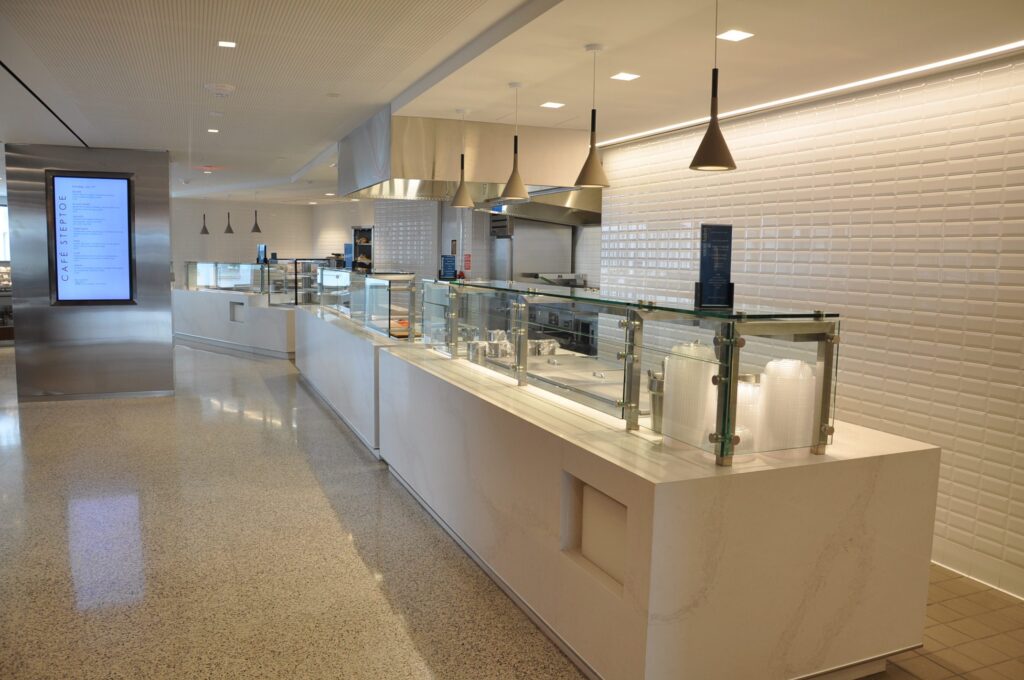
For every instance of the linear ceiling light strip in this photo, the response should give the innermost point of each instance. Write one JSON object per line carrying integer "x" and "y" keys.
{"x": 818, "y": 94}
{"x": 45, "y": 105}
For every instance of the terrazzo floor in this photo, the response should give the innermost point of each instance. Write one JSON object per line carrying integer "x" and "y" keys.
{"x": 236, "y": 530}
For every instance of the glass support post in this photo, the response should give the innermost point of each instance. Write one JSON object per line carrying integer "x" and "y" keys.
{"x": 727, "y": 347}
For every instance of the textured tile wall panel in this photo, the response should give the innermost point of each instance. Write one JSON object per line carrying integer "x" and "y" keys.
{"x": 405, "y": 237}
{"x": 903, "y": 210}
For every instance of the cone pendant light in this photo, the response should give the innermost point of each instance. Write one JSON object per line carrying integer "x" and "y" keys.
{"x": 256, "y": 223}
{"x": 204, "y": 231}
{"x": 462, "y": 198}
{"x": 229, "y": 230}
{"x": 515, "y": 190}
{"x": 713, "y": 153}
{"x": 592, "y": 174}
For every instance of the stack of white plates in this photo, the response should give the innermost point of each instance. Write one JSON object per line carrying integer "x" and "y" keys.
{"x": 690, "y": 398}
{"x": 787, "y": 405}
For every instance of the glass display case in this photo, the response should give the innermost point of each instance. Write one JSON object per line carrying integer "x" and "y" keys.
{"x": 728, "y": 381}
{"x": 294, "y": 282}
{"x": 242, "y": 277}
{"x": 285, "y": 282}
{"x": 382, "y": 302}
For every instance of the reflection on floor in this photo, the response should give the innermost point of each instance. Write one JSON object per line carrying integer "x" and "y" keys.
{"x": 237, "y": 530}
{"x": 973, "y": 631}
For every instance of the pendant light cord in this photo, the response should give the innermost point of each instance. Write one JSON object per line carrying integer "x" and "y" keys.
{"x": 716, "y": 34}
{"x": 593, "y": 91}
{"x": 517, "y": 111}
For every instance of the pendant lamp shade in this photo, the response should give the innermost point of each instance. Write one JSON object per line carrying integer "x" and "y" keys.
{"x": 204, "y": 231}
{"x": 713, "y": 153}
{"x": 229, "y": 230}
{"x": 256, "y": 222}
{"x": 462, "y": 198}
{"x": 592, "y": 174}
{"x": 515, "y": 191}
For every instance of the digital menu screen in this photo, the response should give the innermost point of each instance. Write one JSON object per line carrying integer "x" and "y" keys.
{"x": 91, "y": 238}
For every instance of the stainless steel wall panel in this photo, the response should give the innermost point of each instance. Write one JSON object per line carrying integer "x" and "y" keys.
{"x": 92, "y": 350}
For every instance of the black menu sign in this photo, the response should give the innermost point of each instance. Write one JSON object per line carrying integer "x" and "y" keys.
{"x": 715, "y": 287}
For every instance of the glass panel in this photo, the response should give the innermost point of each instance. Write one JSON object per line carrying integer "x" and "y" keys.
{"x": 680, "y": 304}
{"x": 357, "y": 297}
{"x": 389, "y": 301}
{"x": 486, "y": 328}
{"x": 435, "y": 313}
{"x": 678, "y": 361}
{"x": 335, "y": 290}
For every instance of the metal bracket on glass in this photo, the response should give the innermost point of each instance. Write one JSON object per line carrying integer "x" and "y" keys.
{"x": 634, "y": 327}
{"x": 520, "y": 318}
{"x": 828, "y": 346}
{"x": 727, "y": 346}
{"x": 452, "y": 319}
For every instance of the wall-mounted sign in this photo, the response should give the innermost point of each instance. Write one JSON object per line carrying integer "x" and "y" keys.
{"x": 91, "y": 237}
{"x": 467, "y": 262}
{"x": 715, "y": 287}
{"x": 447, "y": 266}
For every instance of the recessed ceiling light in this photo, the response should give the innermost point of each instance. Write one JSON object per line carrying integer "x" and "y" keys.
{"x": 552, "y": 105}
{"x": 213, "y": 130}
{"x": 312, "y": 202}
{"x": 207, "y": 172}
{"x": 334, "y": 165}
{"x": 328, "y": 194}
{"x": 622, "y": 75}
{"x": 355, "y": 200}
{"x": 734, "y": 35}
{"x": 225, "y": 43}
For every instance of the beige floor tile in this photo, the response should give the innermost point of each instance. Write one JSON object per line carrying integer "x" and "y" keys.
{"x": 985, "y": 674}
{"x": 993, "y": 599}
{"x": 947, "y": 636}
{"x": 982, "y": 652}
{"x": 931, "y": 645}
{"x": 955, "y": 661}
{"x": 1012, "y": 670}
{"x": 936, "y": 593}
{"x": 966, "y": 607}
{"x": 998, "y": 621}
{"x": 925, "y": 669}
{"x": 942, "y": 613}
{"x": 974, "y": 628}
{"x": 1006, "y": 644}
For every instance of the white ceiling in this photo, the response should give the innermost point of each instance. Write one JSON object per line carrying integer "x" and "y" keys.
{"x": 798, "y": 46}
{"x": 306, "y": 72}
{"x": 131, "y": 74}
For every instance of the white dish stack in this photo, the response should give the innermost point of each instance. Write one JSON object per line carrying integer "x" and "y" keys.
{"x": 690, "y": 398}
{"x": 748, "y": 416}
{"x": 787, "y": 405}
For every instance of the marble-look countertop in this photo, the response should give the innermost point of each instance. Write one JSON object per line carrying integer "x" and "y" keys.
{"x": 642, "y": 452}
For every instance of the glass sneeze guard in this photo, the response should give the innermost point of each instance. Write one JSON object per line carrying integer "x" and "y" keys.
{"x": 728, "y": 381}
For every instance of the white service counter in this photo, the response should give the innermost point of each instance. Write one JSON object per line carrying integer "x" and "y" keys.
{"x": 338, "y": 358}
{"x": 241, "y": 321}
{"x": 653, "y": 562}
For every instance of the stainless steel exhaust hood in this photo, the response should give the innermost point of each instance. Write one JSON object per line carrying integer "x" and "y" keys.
{"x": 418, "y": 158}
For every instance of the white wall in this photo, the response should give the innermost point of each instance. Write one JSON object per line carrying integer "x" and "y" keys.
{"x": 287, "y": 230}
{"x": 332, "y": 224}
{"x": 902, "y": 209}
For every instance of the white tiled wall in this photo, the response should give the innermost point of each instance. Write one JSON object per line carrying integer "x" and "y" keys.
{"x": 405, "y": 236}
{"x": 902, "y": 209}
{"x": 287, "y": 230}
